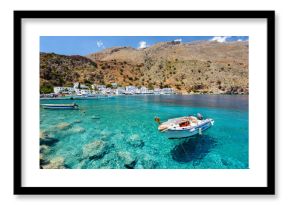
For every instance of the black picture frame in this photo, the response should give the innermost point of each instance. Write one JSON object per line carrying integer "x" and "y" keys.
{"x": 268, "y": 190}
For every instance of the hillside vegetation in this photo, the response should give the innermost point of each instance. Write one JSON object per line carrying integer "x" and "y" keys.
{"x": 197, "y": 67}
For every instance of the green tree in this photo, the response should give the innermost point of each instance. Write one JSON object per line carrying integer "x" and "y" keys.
{"x": 46, "y": 89}
{"x": 150, "y": 86}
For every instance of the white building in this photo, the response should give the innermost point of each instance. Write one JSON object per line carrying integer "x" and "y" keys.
{"x": 77, "y": 85}
{"x": 166, "y": 91}
{"x": 120, "y": 91}
{"x": 64, "y": 90}
{"x": 85, "y": 92}
{"x": 82, "y": 91}
{"x": 114, "y": 85}
{"x": 131, "y": 89}
{"x": 157, "y": 91}
{"x": 143, "y": 90}
{"x": 100, "y": 87}
{"x": 150, "y": 92}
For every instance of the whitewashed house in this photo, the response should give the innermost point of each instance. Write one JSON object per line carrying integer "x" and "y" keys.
{"x": 100, "y": 87}
{"x": 130, "y": 89}
{"x": 157, "y": 91}
{"x": 143, "y": 90}
{"x": 63, "y": 90}
{"x": 120, "y": 91}
{"x": 77, "y": 85}
{"x": 166, "y": 91}
{"x": 114, "y": 85}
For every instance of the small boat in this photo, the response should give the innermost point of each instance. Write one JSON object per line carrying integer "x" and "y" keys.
{"x": 184, "y": 126}
{"x": 60, "y": 106}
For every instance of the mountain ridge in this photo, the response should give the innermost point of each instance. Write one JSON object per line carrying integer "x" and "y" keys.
{"x": 195, "y": 67}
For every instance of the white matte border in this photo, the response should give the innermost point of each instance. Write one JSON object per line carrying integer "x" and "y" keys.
{"x": 255, "y": 176}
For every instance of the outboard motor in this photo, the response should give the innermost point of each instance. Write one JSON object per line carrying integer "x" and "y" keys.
{"x": 157, "y": 119}
{"x": 199, "y": 116}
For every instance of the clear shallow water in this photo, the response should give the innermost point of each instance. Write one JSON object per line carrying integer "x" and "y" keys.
{"x": 120, "y": 132}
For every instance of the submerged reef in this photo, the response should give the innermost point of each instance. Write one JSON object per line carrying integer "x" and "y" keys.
{"x": 95, "y": 150}
{"x": 63, "y": 125}
{"x": 46, "y": 139}
{"x": 135, "y": 141}
{"x": 55, "y": 163}
{"x": 127, "y": 159}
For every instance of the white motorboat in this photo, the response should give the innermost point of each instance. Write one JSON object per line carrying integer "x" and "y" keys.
{"x": 184, "y": 126}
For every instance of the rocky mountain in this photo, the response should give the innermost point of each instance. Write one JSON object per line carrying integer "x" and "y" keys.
{"x": 196, "y": 67}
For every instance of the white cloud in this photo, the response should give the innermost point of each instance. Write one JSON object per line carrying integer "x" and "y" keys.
{"x": 220, "y": 39}
{"x": 100, "y": 44}
{"x": 178, "y": 40}
{"x": 143, "y": 44}
{"x": 241, "y": 40}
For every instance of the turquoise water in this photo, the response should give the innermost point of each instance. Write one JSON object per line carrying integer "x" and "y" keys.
{"x": 120, "y": 132}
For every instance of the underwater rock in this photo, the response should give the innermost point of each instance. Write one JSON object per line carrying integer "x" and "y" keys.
{"x": 139, "y": 165}
{"x": 212, "y": 161}
{"x": 105, "y": 134}
{"x": 119, "y": 136}
{"x": 42, "y": 134}
{"x": 135, "y": 141}
{"x": 111, "y": 160}
{"x": 48, "y": 141}
{"x": 233, "y": 163}
{"x": 149, "y": 163}
{"x": 77, "y": 121}
{"x": 95, "y": 150}
{"x": 63, "y": 126}
{"x": 55, "y": 163}
{"x": 82, "y": 164}
{"x": 44, "y": 149}
{"x": 127, "y": 159}
{"x": 42, "y": 161}
{"x": 77, "y": 129}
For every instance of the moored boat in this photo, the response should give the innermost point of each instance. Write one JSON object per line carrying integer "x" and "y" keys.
{"x": 184, "y": 126}
{"x": 60, "y": 106}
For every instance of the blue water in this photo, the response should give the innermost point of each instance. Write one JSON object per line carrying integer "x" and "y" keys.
{"x": 120, "y": 132}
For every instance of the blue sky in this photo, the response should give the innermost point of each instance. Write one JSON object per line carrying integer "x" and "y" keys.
{"x": 83, "y": 45}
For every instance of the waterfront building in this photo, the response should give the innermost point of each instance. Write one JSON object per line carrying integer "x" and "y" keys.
{"x": 63, "y": 90}
{"x": 114, "y": 85}
{"x": 131, "y": 89}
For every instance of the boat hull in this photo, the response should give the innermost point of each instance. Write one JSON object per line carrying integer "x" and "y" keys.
{"x": 59, "y": 107}
{"x": 175, "y": 134}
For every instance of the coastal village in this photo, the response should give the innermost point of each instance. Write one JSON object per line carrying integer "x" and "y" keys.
{"x": 79, "y": 89}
